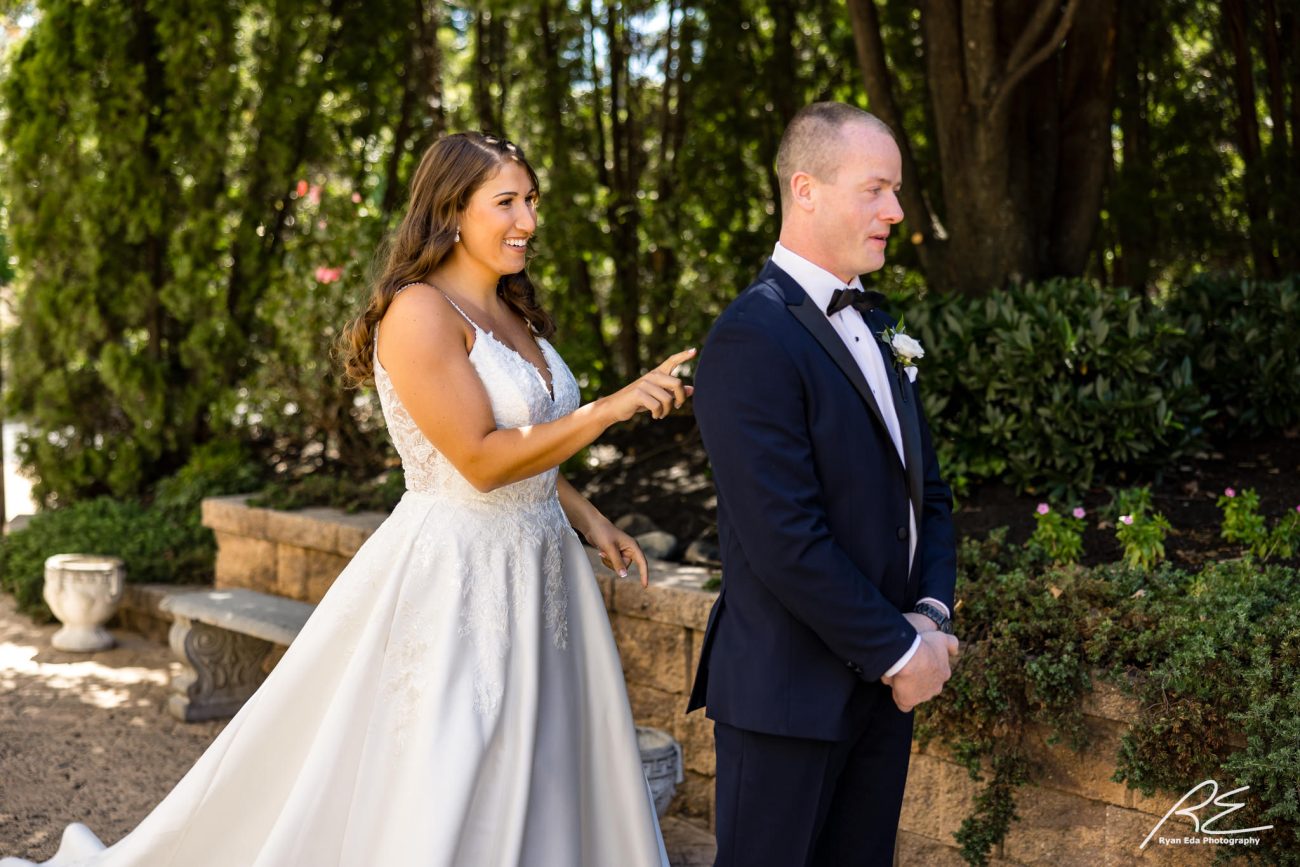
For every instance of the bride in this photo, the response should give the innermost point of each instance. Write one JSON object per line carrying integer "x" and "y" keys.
{"x": 456, "y": 698}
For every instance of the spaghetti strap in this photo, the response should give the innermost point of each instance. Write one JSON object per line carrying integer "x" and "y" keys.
{"x": 472, "y": 323}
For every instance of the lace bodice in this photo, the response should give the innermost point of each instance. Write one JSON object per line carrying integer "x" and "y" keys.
{"x": 519, "y": 398}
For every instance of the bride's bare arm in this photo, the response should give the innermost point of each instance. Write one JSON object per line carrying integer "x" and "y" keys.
{"x": 424, "y": 346}
{"x": 618, "y": 550}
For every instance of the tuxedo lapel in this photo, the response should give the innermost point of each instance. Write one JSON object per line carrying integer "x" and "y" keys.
{"x": 813, "y": 319}
{"x": 905, "y": 405}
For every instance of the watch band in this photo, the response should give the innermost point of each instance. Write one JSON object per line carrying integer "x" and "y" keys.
{"x": 935, "y": 613}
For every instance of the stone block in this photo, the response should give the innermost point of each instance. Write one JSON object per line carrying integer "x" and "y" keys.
{"x": 1087, "y": 773}
{"x": 917, "y": 850}
{"x": 655, "y": 708}
{"x": 1126, "y": 829}
{"x": 1056, "y": 829}
{"x": 352, "y": 531}
{"x": 1108, "y": 702}
{"x": 688, "y": 844}
{"x": 694, "y": 731}
{"x": 694, "y": 799}
{"x": 939, "y": 796}
{"x": 653, "y": 654}
{"x": 665, "y": 600}
{"x": 1158, "y": 803}
{"x": 230, "y": 515}
{"x": 324, "y": 569}
{"x": 305, "y": 574}
{"x": 304, "y": 528}
{"x": 245, "y": 562}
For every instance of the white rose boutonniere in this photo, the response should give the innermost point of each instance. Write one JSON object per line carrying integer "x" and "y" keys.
{"x": 906, "y": 348}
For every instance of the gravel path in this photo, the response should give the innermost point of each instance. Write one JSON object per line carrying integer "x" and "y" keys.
{"x": 84, "y": 737}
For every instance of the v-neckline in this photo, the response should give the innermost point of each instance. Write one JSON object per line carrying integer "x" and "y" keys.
{"x": 547, "y": 379}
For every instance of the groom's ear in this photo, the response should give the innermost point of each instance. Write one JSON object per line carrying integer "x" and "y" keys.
{"x": 802, "y": 186}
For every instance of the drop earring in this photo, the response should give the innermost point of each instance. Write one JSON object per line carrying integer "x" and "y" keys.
{"x": 458, "y": 234}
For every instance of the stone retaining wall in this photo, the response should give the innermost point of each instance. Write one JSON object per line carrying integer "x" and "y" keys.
{"x": 1073, "y": 815}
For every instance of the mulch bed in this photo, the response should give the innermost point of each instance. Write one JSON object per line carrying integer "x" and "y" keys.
{"x": 659, "y": 469}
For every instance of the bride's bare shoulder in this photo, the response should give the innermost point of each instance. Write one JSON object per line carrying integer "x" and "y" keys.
{"x": 421, "y": 326}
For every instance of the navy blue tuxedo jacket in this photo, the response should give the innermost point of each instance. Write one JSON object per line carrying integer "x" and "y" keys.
{"x": 812, "y": 516}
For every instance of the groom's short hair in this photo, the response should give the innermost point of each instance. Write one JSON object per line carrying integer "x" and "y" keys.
{"x": 810, "y": 142}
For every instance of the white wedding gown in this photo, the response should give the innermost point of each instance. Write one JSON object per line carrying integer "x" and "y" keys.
{"x": 455, "y": 699}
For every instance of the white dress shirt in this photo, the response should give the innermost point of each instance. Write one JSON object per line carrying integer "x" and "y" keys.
{"x": 848, "y": 323}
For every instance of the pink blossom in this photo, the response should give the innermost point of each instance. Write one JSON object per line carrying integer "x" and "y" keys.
{"x": 313, "y": 193}
{"x": 1043, "y": 508}
{"x": 1126, "y": 519}
{"x": 328, "y": 275}
{"x": 1229, "y": 492}
{"x": 356, "y": 198}
{"x": 1079, "y": 512}
{"x": 1297, "y": 508}
{"x": 302, "y": 189}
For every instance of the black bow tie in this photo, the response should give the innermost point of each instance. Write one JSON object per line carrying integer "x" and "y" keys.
{"x": 855, "y": 298}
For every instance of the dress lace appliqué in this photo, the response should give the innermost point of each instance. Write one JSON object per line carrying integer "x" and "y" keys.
{"x": 517, "y": 531}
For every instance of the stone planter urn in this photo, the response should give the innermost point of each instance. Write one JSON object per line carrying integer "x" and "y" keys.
{"x": 83, "y": 591}
{"x": 661, "y": 759}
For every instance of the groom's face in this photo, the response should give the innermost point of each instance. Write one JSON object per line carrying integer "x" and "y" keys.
{"x": 857, "y": 207}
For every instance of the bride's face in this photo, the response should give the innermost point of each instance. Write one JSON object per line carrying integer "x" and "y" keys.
{"x": 499, "y": 220}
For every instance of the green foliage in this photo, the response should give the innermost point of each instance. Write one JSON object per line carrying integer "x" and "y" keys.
{"x": 324, "y": 489}
{"x": 1241, "y": 337}
{"x": 1055, "y": 386}
{"x": 155, "y": 547}
{"x": 1211, "y": 657}
{"x": 163, "y": 542}
{"x": 178, "y": 130}
{"x": 1244, "y": 524}
{"x": 1057, "y": 537}
{"x": 1140, "y": 530}
{"x": 1242, "y": 521}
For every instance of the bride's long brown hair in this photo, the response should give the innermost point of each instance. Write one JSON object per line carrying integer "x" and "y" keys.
{"x": 452, "y": 169}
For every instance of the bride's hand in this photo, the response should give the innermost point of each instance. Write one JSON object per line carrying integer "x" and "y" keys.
{"x": 658, "y": 392}
{"x": 618, "y": 550}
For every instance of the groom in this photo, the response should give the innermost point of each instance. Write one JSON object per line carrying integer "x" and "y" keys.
{"x": 836, "y": 528}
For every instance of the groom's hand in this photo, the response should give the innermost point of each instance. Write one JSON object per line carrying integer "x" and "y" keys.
{"x": 926, "y": 672}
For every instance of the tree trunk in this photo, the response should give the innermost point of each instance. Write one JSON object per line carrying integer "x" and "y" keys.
{"x": 1236, "y": 22}
{"x": 1133, "y": 235}
{"x": 1087, "y": 97}
{"x": 1012, "y": 110}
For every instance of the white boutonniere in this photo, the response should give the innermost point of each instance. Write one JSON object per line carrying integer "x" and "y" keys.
{"x": 906, "y": 348}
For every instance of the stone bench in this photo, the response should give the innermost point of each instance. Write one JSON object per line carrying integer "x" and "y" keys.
{"x": 223, "y": 638}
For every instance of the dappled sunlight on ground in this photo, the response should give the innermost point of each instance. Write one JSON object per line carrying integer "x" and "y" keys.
{"x": 93, "y": 682}
{"x": 84, "y": 736}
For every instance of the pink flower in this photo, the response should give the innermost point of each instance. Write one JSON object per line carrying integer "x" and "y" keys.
{"x": 1297, "y": 508}
{"x": 356, "y": 198}
{"x": 1126, "y": 519}
{"x": 1043, "y": 508}
{"x": 302, "y": 189}
{"x": 1079, "y": 512}
{"x": 313, "y": 193}
{"x": 328, "y": 275}
{"x": 1229, "y": 492}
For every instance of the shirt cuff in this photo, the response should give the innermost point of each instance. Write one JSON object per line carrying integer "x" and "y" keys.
{"x": 937, "y": 604}
{"x": 904, "y": 659}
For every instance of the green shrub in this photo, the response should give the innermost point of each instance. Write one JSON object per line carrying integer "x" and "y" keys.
{"x": 1212, "y": 657}
{"x": 327, "y": 489}
{"x": 1242, "y": 338}
{"x": 164, "y": 542}
{"x": 154, "y": 547}
{"x": 1055, "y": 386}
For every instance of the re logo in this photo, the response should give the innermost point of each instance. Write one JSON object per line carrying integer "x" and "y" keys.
{"x": 1192, "y": 812}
